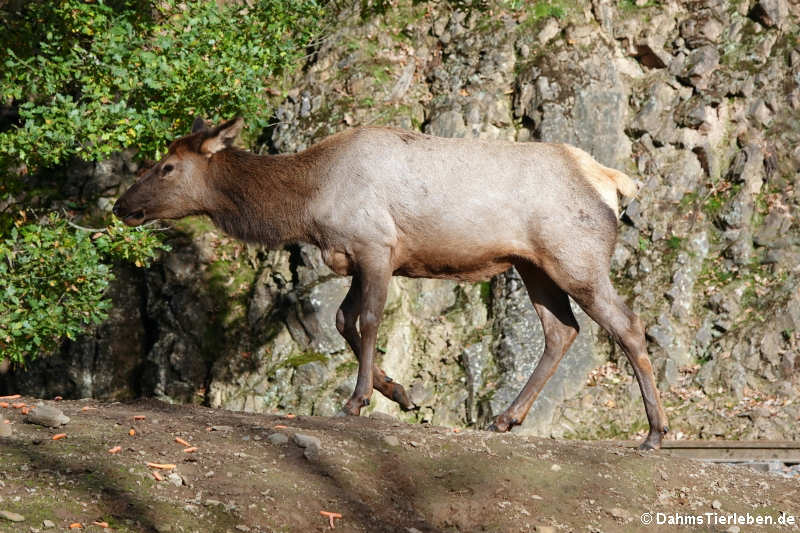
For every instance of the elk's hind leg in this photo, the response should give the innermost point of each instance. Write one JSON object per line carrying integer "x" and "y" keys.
{"x": 602, "y": 303}
{"x": 560, "y": 329}
{"x": 346, "y": 319}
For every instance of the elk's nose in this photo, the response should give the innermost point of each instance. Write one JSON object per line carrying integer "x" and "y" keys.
{"x": 115, "y": 209}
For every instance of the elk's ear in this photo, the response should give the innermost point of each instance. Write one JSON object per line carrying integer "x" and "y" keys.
{"x": 222, "y": 136}
{"x": 199, "y": 125}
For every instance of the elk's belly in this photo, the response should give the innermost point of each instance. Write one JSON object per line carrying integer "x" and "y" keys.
{"x": 475, "y": 272}
{"x": 460, "y": 264}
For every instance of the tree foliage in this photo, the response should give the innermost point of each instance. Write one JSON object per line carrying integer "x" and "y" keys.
{"x": 54, "y": 280}
{"x": 87, "y": 78}
{"x": 102, "y": 76}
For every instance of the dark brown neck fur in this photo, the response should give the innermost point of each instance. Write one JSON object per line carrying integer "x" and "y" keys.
{"x": 262, "y": 199}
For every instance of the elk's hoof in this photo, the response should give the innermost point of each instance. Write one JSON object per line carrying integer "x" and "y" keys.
{"x": 652, "y": 442}
{"x": 500, "y": 425}
{"x": 349, "y": 411}
{"x": 408, "y": 407}
{"x": 353, "y": 406}
{"x": 400, "y": 397}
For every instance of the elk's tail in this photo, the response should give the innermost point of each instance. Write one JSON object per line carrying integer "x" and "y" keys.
{"x": 606, "y": 181}
{"x": 625, "y": 185}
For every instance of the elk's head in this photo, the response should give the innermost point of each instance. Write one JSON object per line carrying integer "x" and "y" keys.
{"x": 178, "y": 185}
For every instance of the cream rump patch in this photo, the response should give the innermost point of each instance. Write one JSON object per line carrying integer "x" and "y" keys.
{"x": 606, "y": 181}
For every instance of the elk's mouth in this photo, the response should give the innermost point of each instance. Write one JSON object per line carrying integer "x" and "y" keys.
{"x": 135, "y": 218}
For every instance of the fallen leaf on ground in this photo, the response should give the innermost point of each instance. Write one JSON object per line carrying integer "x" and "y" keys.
{"x": 190, "y": 449}
{"x": 115, "y": 449}
{"x": 161, "y": 466}
{"x": 181, "y": 441}
{"x": 10, "y": 397}
{"x": 60, "y": 436}
{"x": 331, "y": 516}
{"x": 132, "y": 432}
{"x": 139, "y": 417}
{"x": 87, "y": 408}
{"x": 104, "y": 525}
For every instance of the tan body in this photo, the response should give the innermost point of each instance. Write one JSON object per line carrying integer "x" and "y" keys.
{"x": 380, "y": 202}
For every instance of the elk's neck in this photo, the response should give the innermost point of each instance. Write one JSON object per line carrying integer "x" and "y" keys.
{"x": 262, "y": 199}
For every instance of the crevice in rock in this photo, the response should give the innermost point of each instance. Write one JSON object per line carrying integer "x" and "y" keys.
{"x": 150, "y": 334}
{"x": 295, "y": 261}
{"x": 647, "y": 58}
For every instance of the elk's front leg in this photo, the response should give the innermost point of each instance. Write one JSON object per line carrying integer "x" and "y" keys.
{"x": 374, "y": 277}
{"x": 346, "y": 318}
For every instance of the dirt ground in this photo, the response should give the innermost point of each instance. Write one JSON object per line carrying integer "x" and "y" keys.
{"x": 380, "y": 474}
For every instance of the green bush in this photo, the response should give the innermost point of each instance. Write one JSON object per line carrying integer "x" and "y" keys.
{"x": 101, "y": 77}
{"x": 54, "y": 280}
{"x": 92, "y": 77}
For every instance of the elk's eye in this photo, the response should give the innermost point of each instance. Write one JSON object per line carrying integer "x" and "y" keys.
{"x": 168, "y": 168}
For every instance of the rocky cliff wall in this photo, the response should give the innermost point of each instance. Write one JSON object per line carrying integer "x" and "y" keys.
{"x": 699, "y": 101}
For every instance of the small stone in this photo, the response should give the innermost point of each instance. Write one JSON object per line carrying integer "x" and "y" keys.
{"x": 555, "y": 468}
{"x": 14, "y": 517}
{"x": 619, "y": 513}
{"x": 242, "y": 527}
{"x": 278, "y": 439}
{"x": 175, "y": 479}
{"x": 48, "y": 524}
{"x": 549, "y": 31}
{"x": 716, "y": 504}
{"x": 414, "y": 443}
{"x": 545, "y": 529}
{"x": 412, "y": 530}
{"x": 733, "y": 529}
{"x": 5, "y": 429}
{"x": 212, "y": 503}
{"x": 221, "y": 428}
{"x": 391, "y": 440}
{"x": 310, "y": 443}
{"x": 304, "y": 441}
{"x": 47, "y": 416}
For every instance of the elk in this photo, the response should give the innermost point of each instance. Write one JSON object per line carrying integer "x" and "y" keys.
{"x": 380, "y": 202}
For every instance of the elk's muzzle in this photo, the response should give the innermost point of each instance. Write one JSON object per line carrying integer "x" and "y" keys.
{"x": 131, "y": 217}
